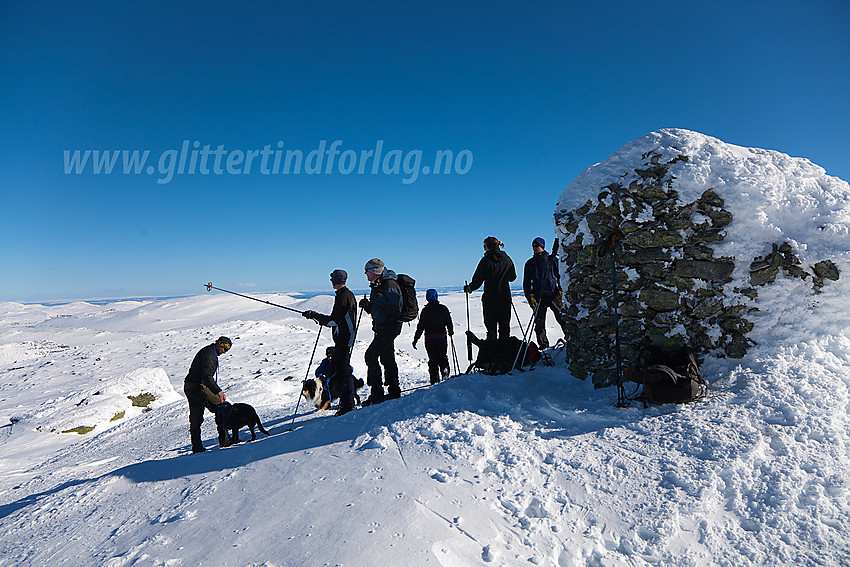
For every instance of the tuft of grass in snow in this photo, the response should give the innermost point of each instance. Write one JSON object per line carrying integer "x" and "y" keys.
{"x": 81, "y": 430}
{"x": 142, "y": 400}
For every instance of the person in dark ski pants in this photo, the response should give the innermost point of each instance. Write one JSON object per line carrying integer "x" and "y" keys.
{"x": 540, "y": 285}
{"x": 496, "y": 271}
{"x": 341, "y": 321}
{"x": 436, "y": 322}
{"x": 384, "y": 304}
{"x": 202, "y": 391}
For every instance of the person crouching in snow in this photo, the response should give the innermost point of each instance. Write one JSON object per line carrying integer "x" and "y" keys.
{"x": 436, "y": 322}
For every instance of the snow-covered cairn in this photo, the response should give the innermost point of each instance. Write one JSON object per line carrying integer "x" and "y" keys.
{"x": 705, "y": 226}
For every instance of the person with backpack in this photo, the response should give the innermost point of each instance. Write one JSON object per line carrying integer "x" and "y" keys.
{"x": 496, "y": 272}
{"x": 202, "y": 391}
{"x": 385, "y": 305}
{"x": 341, "y": 321}
{"x": 436, "y": 322}
{"x": 540, "y": 285}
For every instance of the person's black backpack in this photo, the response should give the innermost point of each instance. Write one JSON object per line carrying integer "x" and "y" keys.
{"x": 671, "y": 375}
{"x": 409, "y": 306}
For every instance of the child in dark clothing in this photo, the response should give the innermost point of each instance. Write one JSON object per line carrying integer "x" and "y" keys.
{"x": 436, "y": 322}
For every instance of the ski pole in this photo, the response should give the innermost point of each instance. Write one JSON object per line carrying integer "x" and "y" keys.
{"x": 210, "y": 287}
{"x": 309, "y": 365}
{"x": 523, "y": 348}
{"x": 621, "y": 392}
{"x": 521, "y": 328}
{"x": 356, "y": 327}
{"x": 454, "y": 355}
{"x": 468, "y": 329}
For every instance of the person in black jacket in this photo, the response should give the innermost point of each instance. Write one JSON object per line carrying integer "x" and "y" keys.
{"x": 436, "y": 322}
{"x": 496, "y": 271}
{"x": 540, "y": 285}
{"x": 385, "y": 305}
{"x": 202, "y": 391}
{"x": 342, "y": 321}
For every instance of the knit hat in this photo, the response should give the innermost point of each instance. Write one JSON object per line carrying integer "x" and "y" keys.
{"x": 338, "y": 277}
{"x": 375, "y": 266}
{"x": 539, "y": 242}
{"x": 224, "y": 343}
{"x": 431, "y": 295}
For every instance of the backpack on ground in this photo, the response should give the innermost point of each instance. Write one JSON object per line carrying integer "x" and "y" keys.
{"x": 497, "y": 356}
{"x": 409, "y": 307}
{"x": 671, "y": 375}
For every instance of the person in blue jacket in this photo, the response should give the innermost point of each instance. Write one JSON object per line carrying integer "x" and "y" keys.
{"x": 540, "y": 285}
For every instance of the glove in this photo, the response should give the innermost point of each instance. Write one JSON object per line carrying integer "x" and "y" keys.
{"x": 414, "y": 345}
{"x": 532, "y": 301}
{"x": 309, "y": 314}
{"x": 364, "y": 303}
{"x": 466, "y": 289}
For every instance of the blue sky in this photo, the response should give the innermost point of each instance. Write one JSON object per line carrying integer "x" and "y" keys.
{"x": 535, "y": 94}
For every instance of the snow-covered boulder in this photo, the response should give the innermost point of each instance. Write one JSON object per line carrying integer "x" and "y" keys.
{"x": 106, "y": 402}
{"x": 706, "y": 229}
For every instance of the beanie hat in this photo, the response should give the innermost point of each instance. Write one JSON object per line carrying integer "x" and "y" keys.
{"x": 224, "y": 343}
{"x": 338, "y": 277}
{"x": 375, "y": 266}
{"x": 539, "y": 242}
{"x": 431, "y": 295}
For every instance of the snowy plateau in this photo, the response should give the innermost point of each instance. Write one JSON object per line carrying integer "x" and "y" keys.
{"x": 534, "y": 468}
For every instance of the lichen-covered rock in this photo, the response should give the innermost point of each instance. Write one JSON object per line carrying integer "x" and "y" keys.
{"x": 690, "y": 257}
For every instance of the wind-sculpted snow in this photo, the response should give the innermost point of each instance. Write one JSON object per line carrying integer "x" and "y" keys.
{"x": 535, "y": 468}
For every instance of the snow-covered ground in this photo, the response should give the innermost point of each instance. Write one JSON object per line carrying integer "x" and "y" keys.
{"x": 535, "y": 468}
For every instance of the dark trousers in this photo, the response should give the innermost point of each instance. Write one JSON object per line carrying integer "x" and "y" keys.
{"x": 382, "y": 353}
{"x": 556, "y": 305}
{"x": 497, "y": 319}
{"x": 197, "y": 404}
{"x": 340, "y": 372}
{"x": 438, "y": 358}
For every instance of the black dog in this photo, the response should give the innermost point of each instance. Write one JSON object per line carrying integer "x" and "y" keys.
{"x": 233, "y": 417}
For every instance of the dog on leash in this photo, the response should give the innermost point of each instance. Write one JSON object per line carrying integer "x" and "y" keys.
{"x": 233, "y": 417}
{"x": 315, "y": 390}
